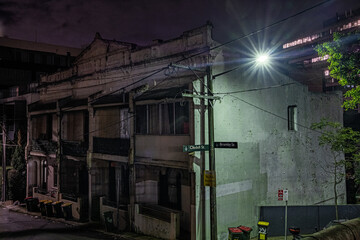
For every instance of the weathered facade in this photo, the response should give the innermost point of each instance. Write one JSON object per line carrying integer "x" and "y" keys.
{"x": 269, "y": 115}
{"x": 108, "y": 135}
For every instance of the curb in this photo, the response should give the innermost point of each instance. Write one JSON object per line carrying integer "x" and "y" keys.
{"x": 92, "y": 226}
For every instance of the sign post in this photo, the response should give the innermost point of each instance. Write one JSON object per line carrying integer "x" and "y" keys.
{"x": 286, "y": 197}
{"x": 209, "y": 178}
{"x": 283, "y": 195}
{"x": 225, "y": 145}
{"x": 193, "y": 148}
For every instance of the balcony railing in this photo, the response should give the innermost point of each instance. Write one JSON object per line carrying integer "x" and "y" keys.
{"x": 112, "y": 146}
{"x": 74, "y": 148}
{"x": 45, "y": 146}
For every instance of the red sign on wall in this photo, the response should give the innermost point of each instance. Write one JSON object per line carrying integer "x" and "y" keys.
{"x": 280, "y": 195}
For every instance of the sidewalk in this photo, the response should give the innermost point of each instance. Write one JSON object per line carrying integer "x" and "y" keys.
{"x": 86, "y": 225}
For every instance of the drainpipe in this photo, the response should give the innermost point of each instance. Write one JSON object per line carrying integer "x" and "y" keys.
{"x": 59, "y": 153}
{"x": 4, "y": 162}
{"x": 89, "y": 156}
{"x": 132, "y": 173}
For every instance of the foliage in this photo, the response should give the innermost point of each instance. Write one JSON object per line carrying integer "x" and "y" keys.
{"x": 17, "y": 185}
{"x": 18, "y": 159}
{"x": 344, "y": 145}
{"x": 17, "y": 176}
{"x": 344, "y": 59}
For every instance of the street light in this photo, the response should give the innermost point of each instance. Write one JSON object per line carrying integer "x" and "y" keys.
{"x": 262, "y": 59}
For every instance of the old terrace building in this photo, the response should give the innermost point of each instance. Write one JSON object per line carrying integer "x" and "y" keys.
{"x": 107, "y": 134}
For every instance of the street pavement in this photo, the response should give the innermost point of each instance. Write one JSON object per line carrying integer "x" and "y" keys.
{"x": 14, "y": 225}
{"x": 17, "y": 223}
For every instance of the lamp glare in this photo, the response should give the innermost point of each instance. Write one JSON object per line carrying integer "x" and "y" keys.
{"x": 262, "y": 59}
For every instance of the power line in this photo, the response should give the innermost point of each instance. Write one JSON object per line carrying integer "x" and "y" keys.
{"x": 215, "y": 47}
{"x": 256, "y": 89}
{"x": 274, "y": 114}
{"x": 259, "y": 30}
{"x": 208, "y": 50}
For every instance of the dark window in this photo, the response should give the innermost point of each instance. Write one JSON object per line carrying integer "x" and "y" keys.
{"x": 163, "y": 119}
{"x": 292, "y": 118}
{"x": 141, "y": 119}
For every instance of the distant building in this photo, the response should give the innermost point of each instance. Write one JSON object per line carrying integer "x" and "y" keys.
{"x": 311, "y": 70}
{"x": 308, "y": 67}
{"x": 21, "y": 65}
{"x": 108, "y": 134}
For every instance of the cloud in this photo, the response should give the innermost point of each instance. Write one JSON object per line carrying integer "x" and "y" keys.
{"x": 7, "y": 12}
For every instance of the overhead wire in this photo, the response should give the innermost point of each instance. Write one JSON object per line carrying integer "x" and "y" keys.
{"x": 156, "y": 71}
{"x": 274, "y": 114}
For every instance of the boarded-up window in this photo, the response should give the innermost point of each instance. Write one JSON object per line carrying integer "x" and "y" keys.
{"x": 112, "y": 123}
{"x": 73, "y": 126}
{"x": 39, "y": 127}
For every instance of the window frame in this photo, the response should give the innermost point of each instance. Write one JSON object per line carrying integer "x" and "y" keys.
{"x": 160, "y": 118}
{"x": 292, "y": 117}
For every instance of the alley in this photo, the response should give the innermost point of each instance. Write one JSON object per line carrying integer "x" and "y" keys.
{"x": 15, "y": 225}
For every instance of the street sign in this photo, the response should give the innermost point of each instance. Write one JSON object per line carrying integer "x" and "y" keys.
{"x": 225, "y": 144}
{"x": 209, "y": 178}
{"x": 286, "y": 195}
{"x": 280, "y": 195}
{"x": 193, "y": 148}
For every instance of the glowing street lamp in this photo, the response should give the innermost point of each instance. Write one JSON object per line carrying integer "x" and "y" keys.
{"x": 262, "y": 59}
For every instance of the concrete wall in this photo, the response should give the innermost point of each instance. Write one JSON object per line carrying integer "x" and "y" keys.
{"x": 253, "y": 112}
{"x": 155, "y": 227}
{"x": 123, "y": 216}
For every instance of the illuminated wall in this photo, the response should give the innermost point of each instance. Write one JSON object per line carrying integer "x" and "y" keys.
{"x": 254, "y": 111}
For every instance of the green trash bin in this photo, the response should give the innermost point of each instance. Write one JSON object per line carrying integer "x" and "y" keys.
{"x": 67, "y": 211}
{"x": 49, "y": 208}
{"x": 109, "y": 221}
{"x": 246, "y": 232}
{"x": 57, "y": 209}
{"x": 31, "y": 204}
{"x": 235, "y": 233}
{"x": 42, "y": 207}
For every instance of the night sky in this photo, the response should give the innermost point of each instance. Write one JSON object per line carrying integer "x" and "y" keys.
{"x": 75, "y": 22}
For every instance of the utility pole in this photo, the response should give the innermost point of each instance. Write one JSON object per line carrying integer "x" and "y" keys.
{"x": 202, "y": 157}
{"x": 4, "y": 163}
{"x": 213, "y": 212}
{"x": 210, "y": 97}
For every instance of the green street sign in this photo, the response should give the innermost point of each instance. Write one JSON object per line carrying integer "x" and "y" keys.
{"x": 193, "y": 148}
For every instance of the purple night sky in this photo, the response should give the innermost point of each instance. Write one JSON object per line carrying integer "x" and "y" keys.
{"x": 74, "y": 22}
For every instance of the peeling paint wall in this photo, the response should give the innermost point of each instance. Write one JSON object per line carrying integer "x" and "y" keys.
{"x": 253, "y": 111}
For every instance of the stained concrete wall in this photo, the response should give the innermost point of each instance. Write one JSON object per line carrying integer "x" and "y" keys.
{"x": 253, "y": 111}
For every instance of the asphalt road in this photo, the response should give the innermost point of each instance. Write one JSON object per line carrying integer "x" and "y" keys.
{"x": 15, "y": 225}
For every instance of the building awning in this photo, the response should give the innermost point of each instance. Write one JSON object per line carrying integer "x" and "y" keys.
{"x": 40, "y": 106}
{"x": 162, "y": 93}
{"x": 111, "y": 99}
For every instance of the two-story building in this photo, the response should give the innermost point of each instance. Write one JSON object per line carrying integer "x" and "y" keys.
{"x": 108, "y": 134}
